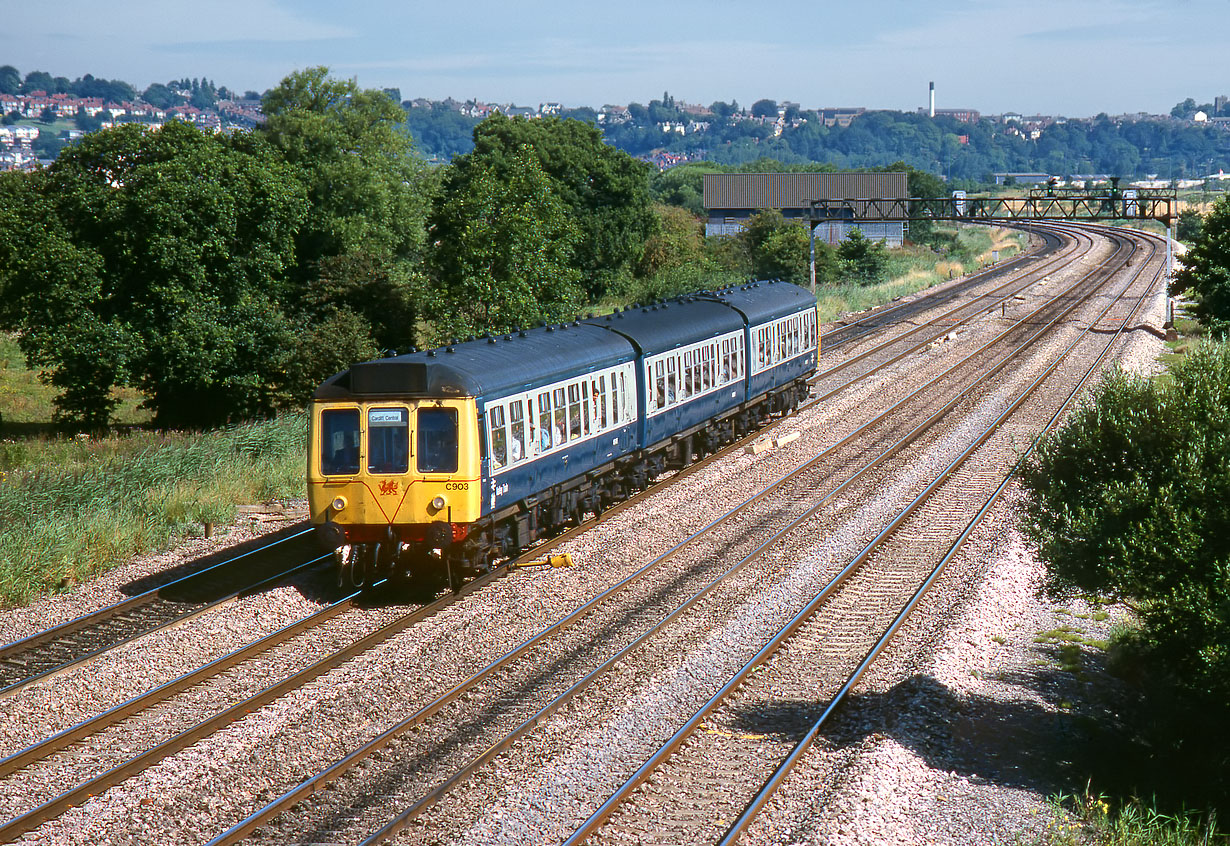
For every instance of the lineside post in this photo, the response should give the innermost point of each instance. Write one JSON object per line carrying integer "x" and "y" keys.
{"x": 812, "y": 261}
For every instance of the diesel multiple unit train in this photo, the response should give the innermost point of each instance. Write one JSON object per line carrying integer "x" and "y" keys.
{"x": 436, "y": 464}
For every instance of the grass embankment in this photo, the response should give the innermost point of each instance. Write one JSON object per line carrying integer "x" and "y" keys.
{"x": 72, "y": 507}
{"x": 914, "y": 268}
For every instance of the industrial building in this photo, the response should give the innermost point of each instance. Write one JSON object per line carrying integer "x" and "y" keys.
{"x": 732, "y": 198}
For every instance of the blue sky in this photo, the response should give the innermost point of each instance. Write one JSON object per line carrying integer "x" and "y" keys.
{"x": 1070, "y": 57}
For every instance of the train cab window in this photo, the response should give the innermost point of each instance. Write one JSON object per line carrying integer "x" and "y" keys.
{"x": 497, "y": 441}
{"x": 339, "y": 442}
{"x": 388, "y": 440}
{"x": 516, "y": 430}
{"x": 437, "y": 440}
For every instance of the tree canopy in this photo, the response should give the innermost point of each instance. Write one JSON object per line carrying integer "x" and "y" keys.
{"x": 605, "y": 190}
{"x": 155, "y": 259}
{"x": 1206, "y": 269}
{"x": 507, "y": 260}
{"x": 1130, "y": 499}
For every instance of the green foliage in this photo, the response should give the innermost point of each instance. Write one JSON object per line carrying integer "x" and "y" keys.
{"x": 1131, "y": 823}
{"x": 605, "y": 190}
{"x": 1206, "y": 270}
{"x": 364, "y": 182}
{"x": 1190, "y": 225}
{"x": 504, "y": 243}
{"x": 154, "y": 259}
{"x": 861, "y": 259}
{"x": 10, "y": 80}
{"x": 679, "y": 241}
{"x": 774, "y": 248}
{"x": 1131, "y": 500}
{"x": 441, "y": 132}
{"x": 161, "y": 96}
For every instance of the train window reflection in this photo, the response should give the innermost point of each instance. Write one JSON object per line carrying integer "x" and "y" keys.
{"x": 437, "y": 440}
{"x": 388, "y": 440}
{"x": 339, "y": 442}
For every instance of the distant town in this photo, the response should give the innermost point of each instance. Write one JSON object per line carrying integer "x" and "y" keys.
{"x": 667, "y": 133}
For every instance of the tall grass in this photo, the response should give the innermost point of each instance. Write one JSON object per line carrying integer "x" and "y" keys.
{"x": 73, "y": 508}
{"x": 912, "y": 269}
{"x": 1092, "y": 819}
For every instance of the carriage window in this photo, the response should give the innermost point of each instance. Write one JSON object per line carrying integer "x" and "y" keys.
{"x": 614, "y": 399}
{"x": 660, "y": 385}
{"x": 601, "y": 419}
{"x": 339, "y": 442}
{"x": 559, "y": 430}
{"x": 686, "y": 373}
{"x": 437, "y": 440}
{"x": 574, "y": 412}
{"x": 671, "y": 368}
{"x": 516, "y": 428}
{"x": 544, "y": 420}
{"x": 498, "y": 441}
{"x": 625, "y": 397}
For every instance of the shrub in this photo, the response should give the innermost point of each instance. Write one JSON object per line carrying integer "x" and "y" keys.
{"x": 1131, "y": 499}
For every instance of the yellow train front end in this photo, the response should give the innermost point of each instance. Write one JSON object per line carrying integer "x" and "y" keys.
{"x": 393, "y": 484}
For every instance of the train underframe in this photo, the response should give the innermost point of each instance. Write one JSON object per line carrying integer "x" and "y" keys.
{"x": 445, "y": 556}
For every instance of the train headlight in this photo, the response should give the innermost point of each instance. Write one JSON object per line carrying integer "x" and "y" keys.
{"x": 338, "y": 504}
{"x": 438, "y": 503}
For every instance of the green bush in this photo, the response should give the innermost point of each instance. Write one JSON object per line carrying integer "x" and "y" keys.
{"x": 1130, "y": 499}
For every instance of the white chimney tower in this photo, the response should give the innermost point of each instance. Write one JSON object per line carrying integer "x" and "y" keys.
{"x": 932, "y": 99}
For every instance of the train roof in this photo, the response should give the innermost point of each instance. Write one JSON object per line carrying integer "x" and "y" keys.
{"x": 763, "y": 301}
{"x": 517, "y": 361}
{"x": 664, "y": 326}
{"x": 683, "y": 320}
{"x": 486, "y": 367}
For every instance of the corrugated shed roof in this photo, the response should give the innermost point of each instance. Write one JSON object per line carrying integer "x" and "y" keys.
{"x": 797, "y": 190}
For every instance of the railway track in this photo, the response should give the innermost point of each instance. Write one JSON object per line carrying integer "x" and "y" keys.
{"x": 673, "y": 586}
{"x": 701, "y": 775}
{"x": 867, "y": 324}
{"x": 321, "y": 826}
{"x": 78, "y": 641}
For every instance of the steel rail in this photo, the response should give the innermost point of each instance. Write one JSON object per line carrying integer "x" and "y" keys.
{"x": 53, "y": 808}
{"x": 309, "y": 786}
{"x": 606, "y": 810}
{"x": 1051, "y": 255}
{"x": 1005, "y": 268}
{"x": 278, "y": 690}
{"x": 1017, "y": 285}
{"x": 178, "y": 619}
{"x": 11, "y": 654}
{"x": 774, "y": 782}
{"x": 439, "y": 791}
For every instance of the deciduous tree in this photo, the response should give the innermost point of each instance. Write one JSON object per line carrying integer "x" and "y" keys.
{"x": 507, "y": 258}
{"x": 605, "y": 189}
{"x": 157, "y": 259}
{"x": 1206, "y": 269}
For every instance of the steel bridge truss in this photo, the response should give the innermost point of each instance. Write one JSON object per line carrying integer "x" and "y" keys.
{"x": 1130, "y": 204}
